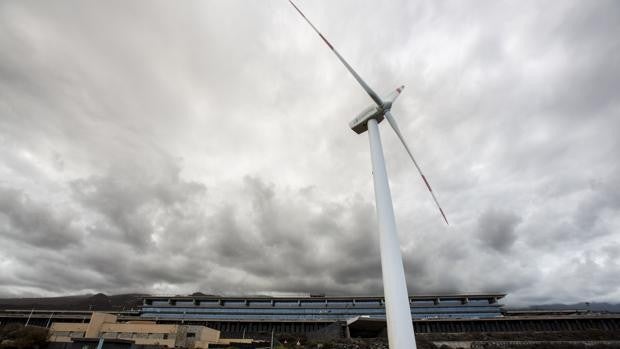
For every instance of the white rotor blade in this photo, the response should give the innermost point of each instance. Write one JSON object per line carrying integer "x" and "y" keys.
{"x": 365, "y": 86}
{"x": 394, "y": 125}
{"x": 392, "y": 96}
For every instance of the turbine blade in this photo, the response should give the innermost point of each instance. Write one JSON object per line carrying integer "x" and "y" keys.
{"x": 365, "y": 86}
{"x": 392, "y": 96}
{"x": 394, "y": 125}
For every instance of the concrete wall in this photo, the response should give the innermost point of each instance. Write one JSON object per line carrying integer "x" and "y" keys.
{"x": 140, "y": 328}
{"x": 62, "y": 332}
{"x": 201, "y": 338}
{"x": 96, "y": 322}
{"x": 207, "y": 336}
{"x": 227, "y": 341}
{"x": 141, "y": 332}
{"x": 210, "y": 335}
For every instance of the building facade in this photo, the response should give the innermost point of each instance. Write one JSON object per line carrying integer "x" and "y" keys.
{"x": 315, "y": 308}
{"x": 106, "y": 326}
{"x": 313, "y": 317}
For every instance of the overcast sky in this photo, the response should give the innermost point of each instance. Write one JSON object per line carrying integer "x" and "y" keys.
{"x": 173, "y": 147}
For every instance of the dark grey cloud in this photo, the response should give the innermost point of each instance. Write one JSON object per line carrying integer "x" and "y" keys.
{"x": 165, "y": 148}
{"x": 134, "y": 203}
{"x": 33, "y": 223}
{"x": 497, "y": 229}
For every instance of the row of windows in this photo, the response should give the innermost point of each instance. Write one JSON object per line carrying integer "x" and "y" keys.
{"x": 72, "y": 334}
{"x": 302, "y": 303}
{"x": 122, "y": 335}
{"x": 301, "y": 311}
{"x": 133, "y": 335}
{"x": 309, "y": 317}
{"x": 455, "y": 316}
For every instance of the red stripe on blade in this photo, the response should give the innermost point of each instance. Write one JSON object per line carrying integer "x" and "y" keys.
{"x": 327, "y": 42}
{"x": 443, "y": 215}
{"x": 427, "y": 185}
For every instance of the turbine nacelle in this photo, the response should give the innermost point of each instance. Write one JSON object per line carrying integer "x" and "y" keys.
{"x": 360, "y": 123}
{"x": 374, "y": 111}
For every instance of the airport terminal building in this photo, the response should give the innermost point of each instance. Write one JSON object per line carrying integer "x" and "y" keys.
{"x": 318, "y": 316}
{"x": 315, "y": 308}
{"x": 241, "y": 316}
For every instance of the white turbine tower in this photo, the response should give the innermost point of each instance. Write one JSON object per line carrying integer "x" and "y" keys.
{"x": 397, "y": 308}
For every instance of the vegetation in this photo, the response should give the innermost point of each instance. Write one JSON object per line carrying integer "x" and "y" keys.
{"x": 523, "y": 336}
{"x": 18, "y": 336}
{"x": 541, "y": 340}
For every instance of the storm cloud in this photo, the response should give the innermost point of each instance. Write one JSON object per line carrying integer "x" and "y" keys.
{"x": 203, "y": 146}
{"x": 496, "y": 229}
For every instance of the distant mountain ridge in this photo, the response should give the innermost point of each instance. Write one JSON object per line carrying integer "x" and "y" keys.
{"x": 97, "y": 301}
{"x": 119, "y": 302}
{"x": 592, "y": 306}
{"x": 583, "y": 306}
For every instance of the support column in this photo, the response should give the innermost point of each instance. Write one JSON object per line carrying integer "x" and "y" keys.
{"x": 398, "y": 313}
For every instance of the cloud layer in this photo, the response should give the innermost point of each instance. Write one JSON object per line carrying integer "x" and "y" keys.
{"x": 170, "y": 148}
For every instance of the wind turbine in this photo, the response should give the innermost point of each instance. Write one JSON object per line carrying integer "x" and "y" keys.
{"x": 397, "y": 308}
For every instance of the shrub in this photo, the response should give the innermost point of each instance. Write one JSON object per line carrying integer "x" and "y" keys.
{"x": 21, "y": 337}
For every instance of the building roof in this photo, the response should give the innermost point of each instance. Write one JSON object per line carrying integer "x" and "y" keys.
{"x": 429, "y": 297}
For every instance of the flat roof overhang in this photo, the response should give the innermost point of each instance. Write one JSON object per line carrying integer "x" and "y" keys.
{"x": 437, "y": 297}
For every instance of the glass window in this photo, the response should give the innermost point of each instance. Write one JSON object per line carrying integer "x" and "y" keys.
{"x": 286, "y": 304}
{"x": 368, "y": 302}
{"x": 339, "y": 304}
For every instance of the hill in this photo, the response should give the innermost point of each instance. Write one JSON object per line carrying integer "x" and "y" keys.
{"x": 97, "y": 301}
{"x": 598, "y": 307}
